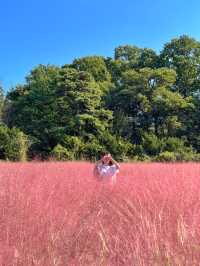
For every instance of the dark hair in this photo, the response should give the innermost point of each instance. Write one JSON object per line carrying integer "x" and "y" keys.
{"x": 103, "y": 153}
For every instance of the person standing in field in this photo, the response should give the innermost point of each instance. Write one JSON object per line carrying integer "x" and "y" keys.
{"x": 106, "y": 169}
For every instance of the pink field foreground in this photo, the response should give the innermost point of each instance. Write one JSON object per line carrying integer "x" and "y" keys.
{"x": 56, "y": 214}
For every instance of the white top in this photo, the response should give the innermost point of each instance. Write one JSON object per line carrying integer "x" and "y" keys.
{"x": 107, "y": 170}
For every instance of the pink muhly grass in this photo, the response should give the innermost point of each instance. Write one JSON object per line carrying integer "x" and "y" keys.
{"x": 58, "y": 214}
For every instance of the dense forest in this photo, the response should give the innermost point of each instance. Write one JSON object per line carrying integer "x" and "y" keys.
{"x": 139, "y": 105}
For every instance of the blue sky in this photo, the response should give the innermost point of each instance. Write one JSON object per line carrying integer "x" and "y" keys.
{"x": 55, "y": 32}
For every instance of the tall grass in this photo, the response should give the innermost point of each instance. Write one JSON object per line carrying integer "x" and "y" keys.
{"x": 58, "y": 214}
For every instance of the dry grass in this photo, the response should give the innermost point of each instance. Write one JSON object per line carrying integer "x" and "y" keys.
{"x": 56, "y": 214}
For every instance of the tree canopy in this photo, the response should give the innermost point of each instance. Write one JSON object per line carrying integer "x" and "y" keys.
{"x": 140, "y": 105}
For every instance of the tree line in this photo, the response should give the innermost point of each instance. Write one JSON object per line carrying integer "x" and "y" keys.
{"x": 139, "y": 105}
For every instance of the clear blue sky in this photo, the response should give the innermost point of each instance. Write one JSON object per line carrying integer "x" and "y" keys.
{"x": 45, "y": 31}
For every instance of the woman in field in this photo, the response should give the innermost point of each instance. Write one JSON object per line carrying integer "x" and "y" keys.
{"x": 106, "y": 169}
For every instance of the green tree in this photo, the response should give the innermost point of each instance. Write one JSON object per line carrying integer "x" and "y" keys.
{"x": 95, "y": 65}
{"x": 139, "y": 97}
{"x": 80, "y": 107}
{"x": 60, "y": 153}
{"x": 2, "y": 99}
{"x": 134, "y": 57}
{"x": 183, "y": 55}
{"x": 191, "y": 127}
{"x": 54, "y": 103}
{"x": 32, "y": 108}
{"x": 137, "y": 105}
{"x": 13, "y": 144}
{"x": 168, "y": 108}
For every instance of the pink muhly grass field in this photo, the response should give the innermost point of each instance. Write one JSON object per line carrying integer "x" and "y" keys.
{"x": 58, "y": 214}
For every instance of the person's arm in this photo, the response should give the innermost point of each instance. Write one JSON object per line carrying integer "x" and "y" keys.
{"x": 115, "y": 163}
